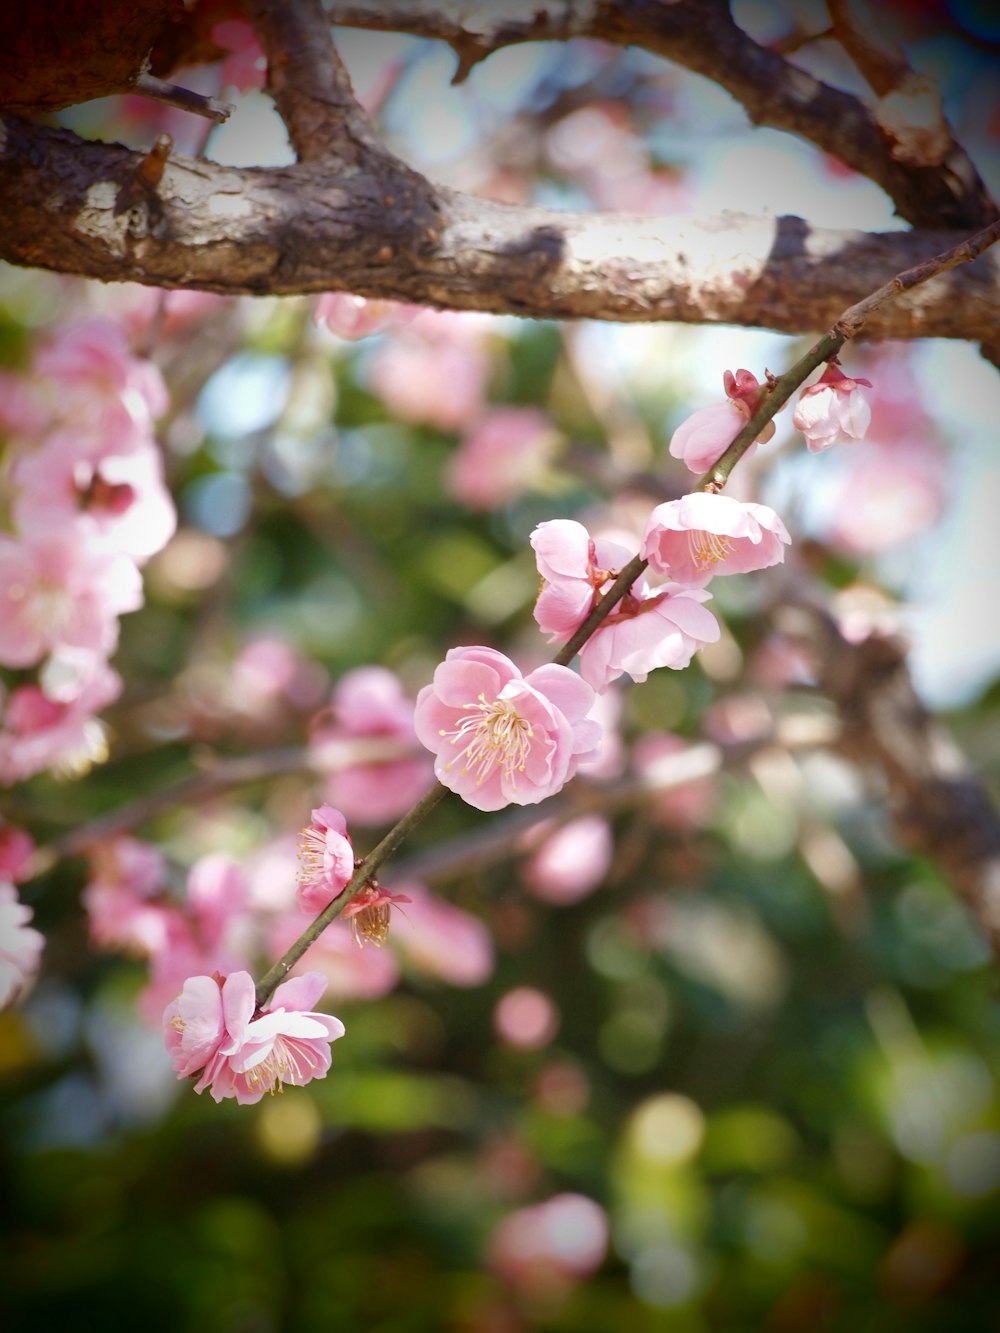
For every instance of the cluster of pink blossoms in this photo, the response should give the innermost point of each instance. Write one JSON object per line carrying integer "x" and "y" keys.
{"x": 499, "y": 736}
{"x": 88, "y": 508}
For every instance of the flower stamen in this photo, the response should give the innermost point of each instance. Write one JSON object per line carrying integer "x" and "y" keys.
{"x": 492, "y": 734}
{"x": 708, "y": 548}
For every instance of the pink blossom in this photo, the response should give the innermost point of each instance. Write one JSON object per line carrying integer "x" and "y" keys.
{"x": 353, "y": 317}
{"x": 369, "y": 911}
{"x": 124, "y": 898}
{"x": 211, "y": 1027}
{"x": 649, "y": 628}
{"x": 40, "y": 732}
{"x": 326, "y": 859}
{"x": 887, "y": 494}
{"x": 370, "y": 713}
{"x": 833, "y": 410}
{"x": 703, "y": 437}
{"x": 59, "y": 591}
{"x": 435, "y": 372}
{"x": 17, "y": 847}
{"x": 76, "y": 478}
{"x": 571, "y": 861}
{"x": 439, "y": 939}
{"x": 500, "y": 737}
{"x": 547, "y": 1247}
{"x": 217, "y": 894}
{"x": 20, "y": 945}
{"x": 96, "y": 384}
{"x": 503, "y": 453}
{"x": 700, "y": 535}
{"x": 576, "y": 571}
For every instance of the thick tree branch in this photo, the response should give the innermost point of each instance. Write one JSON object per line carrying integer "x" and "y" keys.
{"x": 701, "y": 35}
{"x": 382, "y": 231}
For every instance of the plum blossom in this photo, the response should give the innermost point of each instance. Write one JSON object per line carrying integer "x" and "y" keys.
{"x": 352, "y": 317}
{"x": 39, "y": 731}
{"x": 124, "y": 899}
{"x": 81, "y": 479}
{"x": 20, "y": 945}
{"x": 58, "y": 590}
{"x": 368, "y": 912}
{"x": 571, "y": 861}
{"x": 369, "y": 711}
{"x": 648, "y": 628}
{"x": 703, "y": 437}
{"x": 435, "y": 371}
{"x": 500, "y": 737}
{"x": 326, "y": 859}
{"x": 703, "y": 534}
{"x": 210, "y": 1029}
{"x": 503, "y": 454}
{"x": 833, "y": 410}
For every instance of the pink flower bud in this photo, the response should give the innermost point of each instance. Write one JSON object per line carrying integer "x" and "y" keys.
{"x": 833, "y": 410}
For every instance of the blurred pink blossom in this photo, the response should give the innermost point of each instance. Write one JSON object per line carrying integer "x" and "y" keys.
{"x": 441, "y": 940}
{"x": 887, "y": 494}
{"x": 211, "y": 1030}
{"x": 833, "y": 410}
{"x": 703, "y": 534}
{"x": 96, "y": 384}
{"x": 20, "y": 945}
{"x": 326, "y": 859}
{"x": 40, "y": 732}
{"x": 62, "y": 590}
{"x": 354, "y": 317}
{"x": 703, "y": 437}
{"x": 499, "y": 737}
{"x": 501, "y": 455}
{"x": 124, "y": 898}
{"x": 571, "y": 861}
{"x": 217, "y": 894}
{"x": 17, "y": 847}
{"x": 369, "y": 705}
{"x": 545, "y": 1248}
{"x": 435, "y": 371}
{"x": 76, "y": 478}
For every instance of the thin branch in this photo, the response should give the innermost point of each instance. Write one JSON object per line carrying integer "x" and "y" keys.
{"x": 185, "y": 99}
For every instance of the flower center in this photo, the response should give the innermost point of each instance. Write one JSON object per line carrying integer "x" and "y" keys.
{"x": 286, "y": 1062}
{"x": 311, "y": 855}
{"x": 492, "y": 734}
{"x": 708, "y": 548}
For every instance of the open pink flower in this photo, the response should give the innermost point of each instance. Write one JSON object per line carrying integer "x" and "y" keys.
{"x": 20, "y": 945}
{"x": 576, "y": 570}
{"x": 500, "y": 737}
{"x": 211, "y": 1028}
{"x": 703, "y": 437}
{"x": 700, "y": 535}
{"x": 326, "y": 859}
{"x": 833, "y": 410}
{"x": 649, "y": 628}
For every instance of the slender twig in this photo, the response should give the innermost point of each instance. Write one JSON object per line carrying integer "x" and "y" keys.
{"x": 185, "y": 99}
{"x": 847, "y": 326}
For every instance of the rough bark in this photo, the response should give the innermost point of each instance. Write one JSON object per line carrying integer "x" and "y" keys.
{"x": 382, "y": 230}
